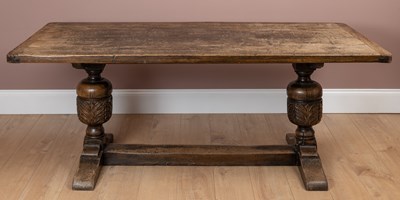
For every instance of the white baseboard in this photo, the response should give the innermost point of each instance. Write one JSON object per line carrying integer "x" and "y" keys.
{"x": 200, "y": 101}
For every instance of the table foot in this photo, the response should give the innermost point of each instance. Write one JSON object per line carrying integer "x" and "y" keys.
{"x": 310, "y": 166}
{"x": 311, "y": 170}
{"x": 89, "y": 168}
{"x": 90, "y": 164}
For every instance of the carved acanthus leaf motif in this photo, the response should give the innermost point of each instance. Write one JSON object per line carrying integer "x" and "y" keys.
{"x": 94, "y": 111}
{"x": 305, "y": 114}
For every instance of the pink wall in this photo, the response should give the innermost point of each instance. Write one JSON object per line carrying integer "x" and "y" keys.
{"x": 378, "y": 20}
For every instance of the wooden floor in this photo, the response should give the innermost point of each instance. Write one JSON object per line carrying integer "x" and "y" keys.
{"x": 360, "y": 154}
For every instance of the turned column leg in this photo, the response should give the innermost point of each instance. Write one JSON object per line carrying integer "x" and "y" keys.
{"x": 94, "y": 104}
{"x": 305, "y": 110}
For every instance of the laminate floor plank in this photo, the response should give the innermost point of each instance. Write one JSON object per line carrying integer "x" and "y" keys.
{"x": 352, "y": 160}
{"x": 375, "y": 174}
{"x": 280, "y": 125}
{"x": 268, "y": 182}
{"x": 196, "y": 182}
{"x": 390, "y": 153}
{"x": 233, "y": 183}
{"x": 345, "y": 132}
{"x": 166, "y": 129}
{"x": 225, "y": 130}
{"x": 117, "y": 182}
{"x": 359, "y": 152}
{"x": 17, "y": 172}
{"x": 137, "y": 129}
{"x": 391, "y": 123}
{"x": 124, "y": 182}
{"x": 68, "y": 194}
{"x": 230, "y": 182}
{"x": 195, "y": 129}
{"x": 118, "y": 126}
{"x": 49, "y": 177}
{"x": 343, "y": 183}
{"x": 12, "y": 132}
{"x": 380, "y": 136}
{"x": 161, "y": 182}
{"x": 257, "y": 130}
{"x": 4, "y": 119}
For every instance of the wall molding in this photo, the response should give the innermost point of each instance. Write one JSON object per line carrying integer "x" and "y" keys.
{"x": 200, "y": 101}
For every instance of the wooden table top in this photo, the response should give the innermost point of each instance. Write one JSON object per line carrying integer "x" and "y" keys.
{"x": 197, "y": 42}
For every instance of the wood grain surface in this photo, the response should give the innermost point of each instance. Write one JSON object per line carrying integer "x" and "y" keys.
{"x": 198, "y": 155}
{"x": 197, "y": 42}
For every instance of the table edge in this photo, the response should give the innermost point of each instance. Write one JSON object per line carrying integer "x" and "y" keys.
{"x": 199, "y": 59}
{"x": 384, "y": 56}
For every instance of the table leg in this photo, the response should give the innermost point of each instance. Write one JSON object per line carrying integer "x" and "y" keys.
{"x": 305, "y": 110}
{"x": 94, "y": 104}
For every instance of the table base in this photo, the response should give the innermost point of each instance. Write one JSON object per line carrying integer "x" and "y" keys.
{"x": 94, "y": 104}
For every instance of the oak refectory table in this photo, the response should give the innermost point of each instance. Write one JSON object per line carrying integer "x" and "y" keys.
{"x": 90, "y": 46}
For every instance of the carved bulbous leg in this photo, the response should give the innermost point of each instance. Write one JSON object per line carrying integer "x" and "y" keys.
{"x": 94, "y": 104}
{"x": 305, "y": 110}
{"x": 304, "y": 103}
